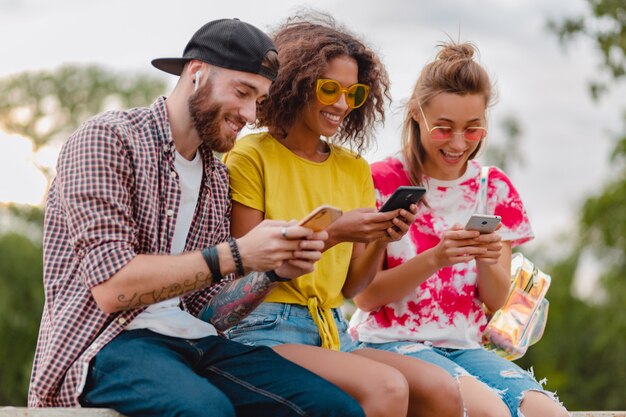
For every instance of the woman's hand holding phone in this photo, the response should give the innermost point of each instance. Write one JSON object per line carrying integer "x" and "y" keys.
{"x": 489, "y": 239}
{"x": 401, "y": 223}
{"x": 457, "y": 245}
{"x": 366, "y": 225}
{"x": 492, "y": 243}
{"x": 360, "y": 225}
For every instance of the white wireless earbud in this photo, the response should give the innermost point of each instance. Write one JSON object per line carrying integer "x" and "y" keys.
{"x": 197, "y": 81}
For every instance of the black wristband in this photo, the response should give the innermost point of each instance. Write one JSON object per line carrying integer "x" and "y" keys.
{"x": 274, "y": 277}
{"x": 212, "y": 259}
{"x": 234, "y": 249}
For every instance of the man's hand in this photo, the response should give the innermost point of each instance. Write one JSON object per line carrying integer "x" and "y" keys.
{"x": 303, "y": 261}
{"x": 272, "y": 242}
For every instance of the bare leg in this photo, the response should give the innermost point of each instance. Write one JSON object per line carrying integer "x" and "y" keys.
{"x": 432, "y": 391}
{"x": 380, "y": 389}
{"x": 537, "y": 404}
{"x": 480, "y": 401}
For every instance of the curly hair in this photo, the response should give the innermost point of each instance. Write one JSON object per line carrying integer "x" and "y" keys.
{"x": 306, "y": 42}
{"x": 455, "y": 71}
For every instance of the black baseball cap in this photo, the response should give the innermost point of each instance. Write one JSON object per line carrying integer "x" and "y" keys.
{"x": 226, "y": 43}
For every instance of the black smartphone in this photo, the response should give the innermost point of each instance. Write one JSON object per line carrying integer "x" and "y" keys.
{"x": 403, "y": 197}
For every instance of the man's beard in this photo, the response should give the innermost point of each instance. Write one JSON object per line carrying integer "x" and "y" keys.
{"x": 207, "y": 117}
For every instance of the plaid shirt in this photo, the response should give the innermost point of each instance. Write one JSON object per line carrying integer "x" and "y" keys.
{"x": 116, "y": 195}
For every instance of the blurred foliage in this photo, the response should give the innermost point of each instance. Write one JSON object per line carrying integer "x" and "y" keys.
{"x": 509, "y": 153}
{"x": 49, "y": 105}
{"x": 605, "y": 26}
{"x": 21, "y": 304}
{"x": 31, "y": 214}
{"x": 582, "y": 351}
{"x": 45, "y": 106}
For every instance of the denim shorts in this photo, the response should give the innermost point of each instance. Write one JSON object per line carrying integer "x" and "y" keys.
{"x": 504, "y": 377}
{"x": 272, "y": 324}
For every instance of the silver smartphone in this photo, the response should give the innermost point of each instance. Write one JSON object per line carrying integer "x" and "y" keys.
{"x": 484, "y": 223}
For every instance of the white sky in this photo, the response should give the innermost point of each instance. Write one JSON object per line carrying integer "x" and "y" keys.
{"x": 567, "y": 138}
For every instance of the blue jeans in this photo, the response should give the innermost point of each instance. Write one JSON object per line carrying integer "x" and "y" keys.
{"x": 272, "y": 324}
{"x": 142, "y": 373}
{"x": 506, "y": 378}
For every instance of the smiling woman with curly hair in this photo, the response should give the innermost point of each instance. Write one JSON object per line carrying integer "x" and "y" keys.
{"x": 329, "y": 93}
{"x": 306, "y": 43}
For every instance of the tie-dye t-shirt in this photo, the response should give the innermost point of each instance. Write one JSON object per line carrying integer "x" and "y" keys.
{"x": 445, "y": 309}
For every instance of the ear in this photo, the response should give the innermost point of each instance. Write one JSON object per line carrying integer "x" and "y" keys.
{"x": 193, "y": 67}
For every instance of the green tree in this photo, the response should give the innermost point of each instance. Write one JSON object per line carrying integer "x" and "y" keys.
{"x": 21, "y": 302}
{"x": 582, "y": 352}
{"x": 45, "y": 106}
{"x": 49, "y": 105}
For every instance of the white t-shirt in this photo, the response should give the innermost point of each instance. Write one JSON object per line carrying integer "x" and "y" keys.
{"x": 446, "y": 309}
{"x": 166, "y": 317}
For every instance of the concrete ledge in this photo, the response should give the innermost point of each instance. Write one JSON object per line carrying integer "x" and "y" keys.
{"x": 102, "y": 412}
{"x": 598, "y": 413}
{"x": 57, "y": 412}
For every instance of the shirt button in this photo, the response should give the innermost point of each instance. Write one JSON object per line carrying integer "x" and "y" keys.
{"x": 173, "y": 174}
{"x": 169, "y": 213}
{"x": 121, "y": 320}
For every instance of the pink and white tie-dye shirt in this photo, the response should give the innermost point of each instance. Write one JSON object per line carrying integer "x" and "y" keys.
{"x": 445, "y": 309}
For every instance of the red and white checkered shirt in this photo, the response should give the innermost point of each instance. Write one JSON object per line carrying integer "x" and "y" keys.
{"x": 116, "y": 195}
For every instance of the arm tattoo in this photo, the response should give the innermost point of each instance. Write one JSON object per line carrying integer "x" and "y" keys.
{"x": 236, "y": 300}
{"x": 200, "y": 280}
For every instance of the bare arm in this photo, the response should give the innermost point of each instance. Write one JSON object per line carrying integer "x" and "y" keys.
{"x": 148, "y": 279}
{"x": 390, "y": 285}
{"x": 494, "y": 272}
{"x": 236, "y": 300}
{"x": 367, "y": 260}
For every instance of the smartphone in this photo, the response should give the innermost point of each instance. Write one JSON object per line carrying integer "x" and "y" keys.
{"x": 320, "y": 218}
{"x": 484, "y": 223}
{"x": 403, "y": 197}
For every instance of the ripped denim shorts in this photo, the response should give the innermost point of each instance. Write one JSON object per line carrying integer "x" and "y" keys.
{"x": 507, "y": 379}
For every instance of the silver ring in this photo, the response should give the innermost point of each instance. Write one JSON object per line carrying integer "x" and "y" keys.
{"x": 283, "y": 232}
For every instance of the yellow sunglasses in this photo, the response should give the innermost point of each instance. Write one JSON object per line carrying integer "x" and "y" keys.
{"x": 329, "y": 92}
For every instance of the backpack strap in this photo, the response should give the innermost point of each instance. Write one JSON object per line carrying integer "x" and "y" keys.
{"x": 482, "y": 190}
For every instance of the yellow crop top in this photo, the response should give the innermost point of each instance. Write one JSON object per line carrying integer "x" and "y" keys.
{"x": 266, "y": 176}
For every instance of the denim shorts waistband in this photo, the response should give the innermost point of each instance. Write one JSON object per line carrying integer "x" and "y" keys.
{"x": 292, "y": 310}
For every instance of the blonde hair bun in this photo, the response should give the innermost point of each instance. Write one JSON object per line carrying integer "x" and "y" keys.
{"x": 456, "y": 51}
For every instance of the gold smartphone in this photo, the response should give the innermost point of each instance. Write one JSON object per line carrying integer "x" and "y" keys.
{"x": 320, "y": 218}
